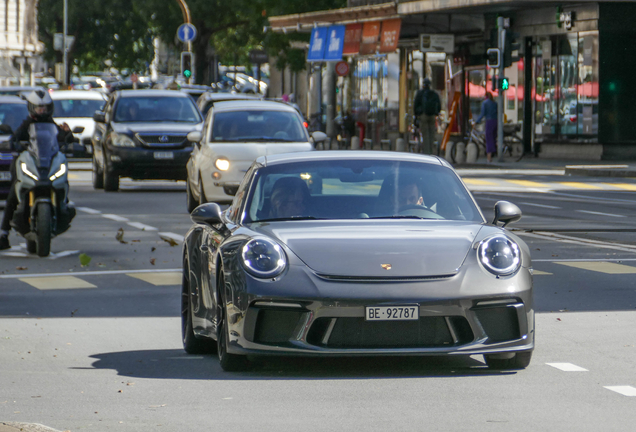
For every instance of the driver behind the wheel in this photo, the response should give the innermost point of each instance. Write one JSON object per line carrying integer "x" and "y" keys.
{"x": 398, "y": 194}
{"x": 289, "y": 198}
{"x": 409, "y": 194}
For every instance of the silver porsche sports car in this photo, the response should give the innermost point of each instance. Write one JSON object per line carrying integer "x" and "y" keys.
{"x": 356, "y": 253}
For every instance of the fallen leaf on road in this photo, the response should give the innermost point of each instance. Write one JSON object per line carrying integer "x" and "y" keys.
{"x": 21, "y": 268}
{"x": 152, "y": 249}
{"x": 152, "y": 261}
{"x": 85, "y": 260}
{"x": 120, "y": 236}
{"x": 169, "y": 240}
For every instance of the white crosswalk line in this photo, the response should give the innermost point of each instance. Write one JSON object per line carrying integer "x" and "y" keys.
{"x": 115, "y": 217}
{"x": 567, "y": 367}
{"x": 141, "y": 226}
{"x": 624, "y": 390}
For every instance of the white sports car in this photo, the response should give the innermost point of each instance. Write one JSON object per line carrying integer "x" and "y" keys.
{"x": 235, "y": 134}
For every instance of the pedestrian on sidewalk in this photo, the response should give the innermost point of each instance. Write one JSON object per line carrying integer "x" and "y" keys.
{"x": 489, "y": 112}
{"x": 427, "y": 107}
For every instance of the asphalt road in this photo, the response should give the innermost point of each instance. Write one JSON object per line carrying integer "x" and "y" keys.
{"x": 98, "y": 347}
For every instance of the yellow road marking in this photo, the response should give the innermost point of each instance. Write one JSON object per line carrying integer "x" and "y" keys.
{"x": 57, "y": 282}
{"x": 626, "y": 186}
{"x": 72, "y": 176}
{"x": 601, "y": 267}
{"x": 479, "y": 182}
{"x": 541, "y": 273}
{"x": 159, "y": 279}
{"x": 528, "y": 183}
{"x": 580, "y": 185}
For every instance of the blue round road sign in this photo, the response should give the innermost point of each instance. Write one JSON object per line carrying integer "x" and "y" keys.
{"x": 187, "y": 32}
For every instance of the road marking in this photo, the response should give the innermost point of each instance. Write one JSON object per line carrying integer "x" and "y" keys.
{"x": 599, "y": 213}
{"x": 479, "y": 182}
{"x": 115, "y": 217}
{"x": 540, "y": 205}
{"x": 579, "y": 241}
{"x": 601, "y": 267}
{"x": 141, "y": 226}
{"x": 20, "y": 252}
{"x": 89, "y": 210}
{"x": 567, "y": 367}
{"x": 88, "y": 273}
{"x": 579, "y": 185}
{"x": 158, "y": 279}
{"x": 626, "y": 186}
{"x": 58, "y": 282}
{"x": 540, "y": 273}
{"x": 528, "y": 183}
{"x": 624, "y": 390}
{"x": 173, "y": 236}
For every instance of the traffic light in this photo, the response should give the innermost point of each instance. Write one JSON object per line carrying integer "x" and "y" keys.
{"x": 494, "y": 57}
{"x": 511, "y": 44}
{"x": 504, "y": 83}
{"x": 186, "y": 64}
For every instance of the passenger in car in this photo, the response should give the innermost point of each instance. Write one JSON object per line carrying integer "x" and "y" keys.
{"x": 290, "y": 197}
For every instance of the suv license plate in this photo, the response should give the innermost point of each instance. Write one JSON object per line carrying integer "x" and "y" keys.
{"x": 393, "y": 313}
{"x": 164, "y": 155}
{"x": 5, "y": 175}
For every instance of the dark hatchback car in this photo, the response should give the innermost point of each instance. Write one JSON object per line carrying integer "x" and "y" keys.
{"x": 13, "y": 110}
{"x": 142, "y": 134}
{"x": 207, "y": 100}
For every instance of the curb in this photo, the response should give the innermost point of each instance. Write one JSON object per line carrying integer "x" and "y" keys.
{"x": 25, "y": 427}
{"x": 600, "y": 170}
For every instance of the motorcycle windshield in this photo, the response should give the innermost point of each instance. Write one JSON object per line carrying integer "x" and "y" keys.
{"x": 43, "y": 144}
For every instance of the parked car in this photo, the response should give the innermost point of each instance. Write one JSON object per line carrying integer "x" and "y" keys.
{"x": 142, "y": 134}
{"x": 207, "y": 100}
{"x": 356, "y": 253}
{"x": 76, "y": 108}
{"x": 18, "y": 90}
{"x": 234, "y": 135}
{"x": 13, "y": 111}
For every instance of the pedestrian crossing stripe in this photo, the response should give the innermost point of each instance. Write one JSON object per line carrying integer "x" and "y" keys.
{"x": 489, "y": 183}
{"x": 541, "y": 273}
{"x": 625, "y": 186}
{"x": 479, "y": 182}
{"x": 158, "y": 279}
{"x": 579, "y": 185}
{"x": 601, "y": 267}
{"x": 57, "y": 282}
{"x": 528, "y": 183}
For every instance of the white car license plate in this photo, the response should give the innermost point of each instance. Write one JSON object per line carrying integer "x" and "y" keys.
{"x": 164, "y": 155}
{"x": 5, "y": 175}
{"x": 393, "y": 313}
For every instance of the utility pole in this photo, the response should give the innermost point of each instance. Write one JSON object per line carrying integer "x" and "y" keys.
{"x": 501, "y": 40}
{"x": 64, "y": 47}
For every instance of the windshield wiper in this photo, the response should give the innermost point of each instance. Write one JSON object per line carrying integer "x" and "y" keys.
{"x": 399, "y": 217}
{"x": 290, "y": 218}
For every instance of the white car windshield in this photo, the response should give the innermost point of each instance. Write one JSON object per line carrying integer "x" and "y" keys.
{"x": 359, "y": 189}
{"x": 157, "y": 109}
{"x": 77, "y": 107}
{"x": 258, "y": 125}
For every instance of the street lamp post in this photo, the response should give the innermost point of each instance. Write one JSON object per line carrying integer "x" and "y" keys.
{"x": 64, "y": 48}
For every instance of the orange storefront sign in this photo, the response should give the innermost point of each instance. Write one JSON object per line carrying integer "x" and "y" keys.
{"x": 390, "y": 35}
{"x": 352, "y": 39}
{"x": 370, "y": 36}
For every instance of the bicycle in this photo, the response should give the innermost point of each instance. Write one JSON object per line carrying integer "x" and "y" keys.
{"x": 512, "y": 143}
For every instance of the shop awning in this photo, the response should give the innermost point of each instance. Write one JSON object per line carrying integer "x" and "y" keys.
{"x": 431, "y": 6}
{"x": 306, "y": 21}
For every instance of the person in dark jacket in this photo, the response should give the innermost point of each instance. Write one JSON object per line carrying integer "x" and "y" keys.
{"x": 489, "y": 112}
{"x": 427, "y": 107}
{"x": 41, "y": 108}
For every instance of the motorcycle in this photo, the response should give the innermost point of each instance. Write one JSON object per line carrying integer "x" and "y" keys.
{"x": 43, "y": 210}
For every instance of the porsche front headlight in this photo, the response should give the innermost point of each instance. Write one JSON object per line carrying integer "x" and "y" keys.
{"x": 263, "y": 258}
{"x": 499, "y": 255}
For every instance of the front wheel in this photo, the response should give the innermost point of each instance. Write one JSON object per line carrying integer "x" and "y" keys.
{"x": 98, "y": 176}
{"x": 229, "y": 362}
{"x": 43, "y": 224}
{"x": 520, "y": 360}
{"x": 191, "y": 344}
{"x": 111, "y": 180}
{"x": 191, "y": 203}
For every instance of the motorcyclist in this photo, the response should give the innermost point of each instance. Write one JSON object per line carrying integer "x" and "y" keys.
{"x": 40, "y": 106}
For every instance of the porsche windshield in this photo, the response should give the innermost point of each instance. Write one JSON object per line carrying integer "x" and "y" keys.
{"x": 258, "y": 125}
{"x": 359, "y": 189}
{"x": 156, "y": 109}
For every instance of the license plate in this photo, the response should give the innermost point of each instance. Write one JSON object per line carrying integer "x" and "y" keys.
{"x": 5, "y": 176}
{"x": 393, "y": 313}
{"x": 164, "y": 155}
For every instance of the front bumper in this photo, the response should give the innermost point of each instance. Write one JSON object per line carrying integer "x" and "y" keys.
{"x": 148, "y": 163}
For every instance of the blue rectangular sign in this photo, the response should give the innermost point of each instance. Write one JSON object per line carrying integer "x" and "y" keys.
{"x": 335, "y": 43}
{"x": 317, "y": 44}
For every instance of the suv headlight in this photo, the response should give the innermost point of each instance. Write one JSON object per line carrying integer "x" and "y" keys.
{"x": 263, "y": 258}
{"x": 120, "y": 140}
{"x": 499, "y": 255}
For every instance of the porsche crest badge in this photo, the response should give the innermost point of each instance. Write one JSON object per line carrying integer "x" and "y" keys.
{"x": 386, "y": 266}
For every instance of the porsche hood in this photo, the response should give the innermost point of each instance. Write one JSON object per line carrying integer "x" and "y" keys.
{"x": 379, "y": 249}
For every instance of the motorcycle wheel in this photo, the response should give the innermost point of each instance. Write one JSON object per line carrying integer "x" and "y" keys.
{"x": 43, "y": 229}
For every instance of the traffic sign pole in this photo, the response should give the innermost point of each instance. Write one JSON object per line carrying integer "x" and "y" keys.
{"x": 501, "y": 33}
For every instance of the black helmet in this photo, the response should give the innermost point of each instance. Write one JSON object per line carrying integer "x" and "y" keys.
{"x": 40, "y": 105}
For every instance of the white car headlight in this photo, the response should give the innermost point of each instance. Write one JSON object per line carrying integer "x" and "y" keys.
{"x": 222, "y": 164}
{"x": 499, "y": 255}
{"x": 263, "y": 258}
{"x": 25, "y": 169}
{"x": 60, "y": 172}
{"x": 120, "y": 140}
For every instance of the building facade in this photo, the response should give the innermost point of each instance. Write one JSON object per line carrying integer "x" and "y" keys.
{"x": 19, "y": 45}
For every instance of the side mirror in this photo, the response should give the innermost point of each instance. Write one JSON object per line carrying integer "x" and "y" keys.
{"x": 78, "y": 129}
{"x": 6, "y": 129}
{"x": 99, "y": 116}
{"x": 319, "y": 136}
{"x": 195, "y": 136}
{"x": 6, "y": 145}
{"x": 506, "y": 212}
{"x": 208, "y": 214}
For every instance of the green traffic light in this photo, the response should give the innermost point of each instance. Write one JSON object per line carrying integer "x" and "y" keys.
{"x": 187, "y": 73}
{"x": 505, "y": 84}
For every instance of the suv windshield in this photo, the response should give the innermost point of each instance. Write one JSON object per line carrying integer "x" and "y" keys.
{"x": 77, "y": 107}
{"x": 359, "y": 189}
{"x": 258, "y": 125}
{"x": 157, "y": 109}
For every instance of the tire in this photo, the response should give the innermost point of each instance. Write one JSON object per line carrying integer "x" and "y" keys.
{"x": 453, "y": 152}
{"x": 521, "y": 360}
{"x": 111, "y": 180}
{"x": 191, "y": 344}
{"x": 191, "y": 203}
{"x": 202, "y": 198}
{"x": 32, "y": 246}
{"x": 43, "y": 229}
{"x": 98, "y": 176}
{"x": 229, "y": 362}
